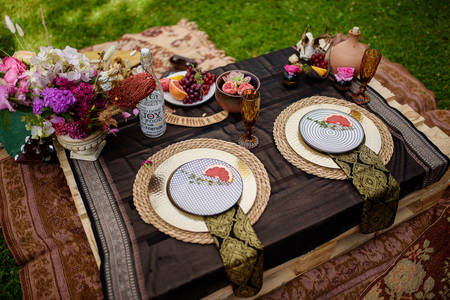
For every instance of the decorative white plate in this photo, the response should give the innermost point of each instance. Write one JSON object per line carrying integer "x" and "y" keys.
{"x": 169, "y": 212}
{"x": 328, "y": 137}
{"x": 192, "y": 190}
{"x": 168, "y": 97}
{"x": 301, "y": 148}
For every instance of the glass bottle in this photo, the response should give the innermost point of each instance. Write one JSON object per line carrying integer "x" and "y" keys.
{"x": 151, "y": 108}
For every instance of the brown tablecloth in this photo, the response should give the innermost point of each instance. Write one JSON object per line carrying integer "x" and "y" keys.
{"x": 304, "y": 211}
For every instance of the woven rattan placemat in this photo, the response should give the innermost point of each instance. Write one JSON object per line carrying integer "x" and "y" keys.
{"x": 303, "y": 164}
{"x": 175, "y": 119}
{"x": 144, "y": 175}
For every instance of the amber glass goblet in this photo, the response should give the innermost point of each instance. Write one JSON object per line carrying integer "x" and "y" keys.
{"x": 250, "y": 104}
{"x": 369, "y": 65}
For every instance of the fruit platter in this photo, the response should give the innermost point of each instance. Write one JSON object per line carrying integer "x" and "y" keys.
{"x": 188, "y": 88}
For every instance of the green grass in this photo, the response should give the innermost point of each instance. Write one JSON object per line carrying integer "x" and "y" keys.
{"x": 9, "y": 274}
{"x": 412, "y": 33}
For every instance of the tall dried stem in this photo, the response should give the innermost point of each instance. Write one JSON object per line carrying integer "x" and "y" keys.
{"x": 45, "y": 27}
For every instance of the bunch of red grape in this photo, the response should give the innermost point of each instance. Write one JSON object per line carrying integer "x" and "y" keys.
{"x": 208, "y": 80}
{"x": 196, "y": 84}
{"x": 318, "y": 60}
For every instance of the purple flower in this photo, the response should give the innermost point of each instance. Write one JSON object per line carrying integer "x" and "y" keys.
{"x": 135, "y": 111}
{"x": 344, "y": 74}
{"x": 58, "y": 100}
{"x": 38, "y": 106}
{"x": 76, "y": 130}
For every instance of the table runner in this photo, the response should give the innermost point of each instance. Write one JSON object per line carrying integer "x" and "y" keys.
{"x": 304, "y": 211}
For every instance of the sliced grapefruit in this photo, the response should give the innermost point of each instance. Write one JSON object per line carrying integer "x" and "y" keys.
{"x": 220, "y": 172}
{"x": 165, "y": 84}
{"x": 176, "y": 90}
{"x": 338, "y": 119}
{"x": 230, "y": 87}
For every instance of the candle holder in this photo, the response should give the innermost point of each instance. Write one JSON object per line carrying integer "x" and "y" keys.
{"x": 369, "y": 65}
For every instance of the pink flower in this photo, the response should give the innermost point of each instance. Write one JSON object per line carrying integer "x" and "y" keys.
{"x": 12, "y": 63}
{"x": 292, "y": 69}
{"x": 4, "y": 103}
{"x": 135, "y": 111}
{"x": 126, "y": 115}
{"x": 57, "y": 120}
{"x": 13, "y": 69}
{"x": 344, "y": 74}
{"x": 114, "y": 130}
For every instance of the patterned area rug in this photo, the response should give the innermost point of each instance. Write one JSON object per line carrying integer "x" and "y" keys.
{"x": 421, "y": 271}
{"x": 44, "y": 233}
{"x": 390, "y": 260}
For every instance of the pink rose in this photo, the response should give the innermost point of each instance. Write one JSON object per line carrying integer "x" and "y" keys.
{"x": 292, "y": 69}
{"x": 344, "y": 74}
{"x": 126, "y": 115}
{"x": 135, "y": 111}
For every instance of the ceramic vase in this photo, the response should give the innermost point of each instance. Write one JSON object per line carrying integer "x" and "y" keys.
{"x": 348, "y": 53}
{"x": 88, "y": 148}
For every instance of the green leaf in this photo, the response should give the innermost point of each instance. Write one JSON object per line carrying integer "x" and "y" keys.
{"x": 6, "y": 119}
{"x": 46, "y": 113}
{"x": 24, "y": 109}
{"x": 67, "y": 116}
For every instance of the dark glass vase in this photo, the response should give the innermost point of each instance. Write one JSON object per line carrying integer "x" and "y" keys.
{"x": 36, "y": 151}
{"x": 343, "y": 85}
{"x": 290, "y": 80}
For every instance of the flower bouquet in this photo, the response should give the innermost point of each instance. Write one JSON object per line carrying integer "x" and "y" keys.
{"x": 62, "y": 93}
{"x": 344, "y": 77}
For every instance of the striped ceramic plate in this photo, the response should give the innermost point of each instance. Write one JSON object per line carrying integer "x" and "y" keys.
{"x": 205, "y": 187}
{"x": 343, "y": 135}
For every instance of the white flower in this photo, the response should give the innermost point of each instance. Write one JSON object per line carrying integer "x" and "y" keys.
{"x": 293, "y": 58}
{"x": 106, "y": 86}
{"x": 103, "y": 77}
{"x": 68, "y": 63}
{"x": 36, "y": 132}
{"x": 48, "y": 128}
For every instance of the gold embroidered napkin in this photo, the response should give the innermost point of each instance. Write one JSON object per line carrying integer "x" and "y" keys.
{"x": 240, "y": 249}
{"x": 374, "y": 183}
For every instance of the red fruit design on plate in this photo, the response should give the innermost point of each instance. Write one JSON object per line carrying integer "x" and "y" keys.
{"x": 338, "y": 119}
{"x": 230, "y": 87}
{"x": 165, "y": 83}
{"x": 243, "y": 87}
{"x": 220, "y": 172}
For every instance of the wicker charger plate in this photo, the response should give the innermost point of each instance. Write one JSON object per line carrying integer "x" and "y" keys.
{"x": 306, "y": 163}
{"x": 144, "y": 175}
